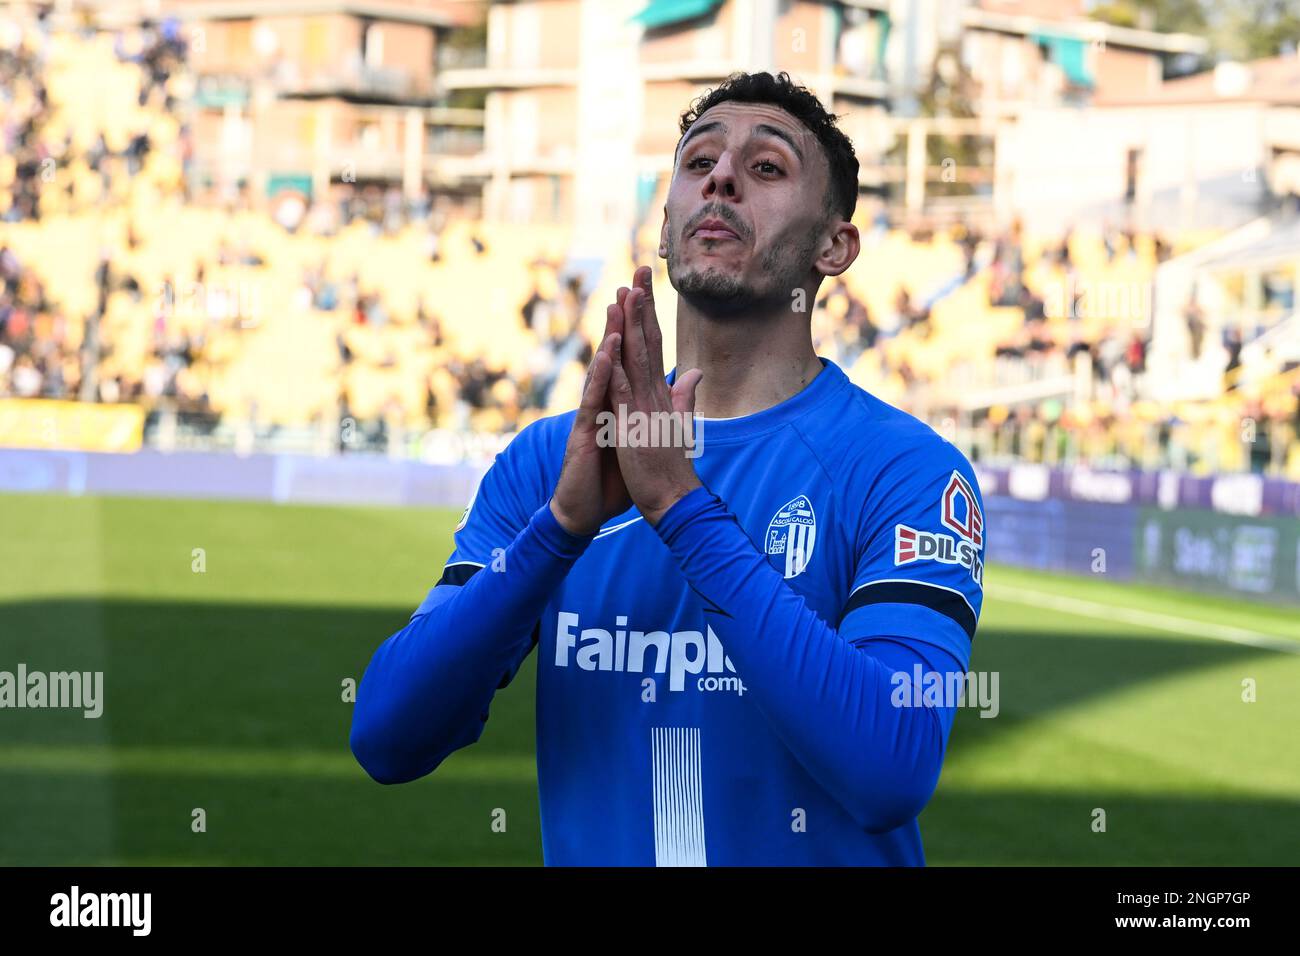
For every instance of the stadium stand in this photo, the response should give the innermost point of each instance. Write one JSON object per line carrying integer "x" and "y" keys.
{"x": 123, "y": 284}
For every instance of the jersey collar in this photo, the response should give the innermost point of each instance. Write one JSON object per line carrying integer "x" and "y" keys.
{"x": 809, "y": 397}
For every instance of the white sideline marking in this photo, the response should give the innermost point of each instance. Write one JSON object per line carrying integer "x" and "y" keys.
{"x": 1129, "y": 615}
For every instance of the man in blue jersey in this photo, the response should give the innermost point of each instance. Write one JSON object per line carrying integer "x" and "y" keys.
{"x": 722, "y": 629}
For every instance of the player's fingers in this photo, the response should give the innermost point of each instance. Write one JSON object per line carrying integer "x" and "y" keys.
{"x": 614, "y": 329}
{"x": 683, "y": 392}
{"x": 636, "y": 356}
{"x": 594, "y": 389}
{"x": 620, "y": 311}
{"x": 613, "y": 322}
{"x": 620, "y": 386}
{"x": 654, "y": 339}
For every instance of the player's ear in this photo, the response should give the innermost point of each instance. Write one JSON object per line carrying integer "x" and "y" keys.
{"x": 840, "y": 251}
{"x": 663, "y": 235}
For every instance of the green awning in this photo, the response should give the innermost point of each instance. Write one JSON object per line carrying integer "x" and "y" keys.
{"x": 1070, "y": 54}
{"x": 882, "y": 41}
{"x": 662, "y": 13}
{"x": 288, "y": 182}
{"x": 219, "y": 98}
{"x": 647, "y": 184}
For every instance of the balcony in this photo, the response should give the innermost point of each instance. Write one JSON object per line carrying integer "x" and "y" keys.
{"x": 218, "y": 91}
{"x": 507, "y": 77}
{"x": 355, "y": 81}
{"x": 695, "y": 70}
{"x": 453, "y": 58}
{"x": 454, "y": 141}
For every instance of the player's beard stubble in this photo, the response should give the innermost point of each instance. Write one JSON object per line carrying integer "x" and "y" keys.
{"x": 721, "y": 292}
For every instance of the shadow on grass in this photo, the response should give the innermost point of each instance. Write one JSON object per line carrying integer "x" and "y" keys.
{"x": 1011, "y": 828}
{"x": 1057, "y": 669}
{"x": 201, "y": 685}
{"x": 264, "y": 820}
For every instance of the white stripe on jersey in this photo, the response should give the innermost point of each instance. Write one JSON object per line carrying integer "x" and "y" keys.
{"x": 798, "y": 548}
{"x": 678, "y": 798}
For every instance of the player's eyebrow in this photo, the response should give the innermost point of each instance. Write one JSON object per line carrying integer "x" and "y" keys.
{"x": 699, "y": 130}
{"x": 761, "y": 128}
{"x": 781, "y": 135}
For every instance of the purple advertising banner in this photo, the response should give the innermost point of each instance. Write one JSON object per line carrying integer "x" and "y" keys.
{"x": 1057, "y": 535}
{"x": 1240, "y": 532}
{"x": 372, "y": 479}
{"x": 1235, "y": 494}
{"x": 347, "y": 479}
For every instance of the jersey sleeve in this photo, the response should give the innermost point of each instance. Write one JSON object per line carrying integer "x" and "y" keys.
{"x": 830, "y": 702}
{"x": 920, "y": 553}
{"x": 428, "y": 688}
{"x": 502, "y": 504}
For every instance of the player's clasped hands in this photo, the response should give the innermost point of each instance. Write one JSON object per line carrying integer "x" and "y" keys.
{"x": 601, "y": 477}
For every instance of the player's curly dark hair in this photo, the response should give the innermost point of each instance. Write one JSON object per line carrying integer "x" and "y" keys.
{"x": 801, "y": 103}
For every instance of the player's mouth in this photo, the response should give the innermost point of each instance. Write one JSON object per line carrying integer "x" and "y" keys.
{"x": 714, "y": 229}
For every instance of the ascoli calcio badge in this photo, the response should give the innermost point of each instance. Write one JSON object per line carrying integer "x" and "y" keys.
{"x": 791, "y": 536}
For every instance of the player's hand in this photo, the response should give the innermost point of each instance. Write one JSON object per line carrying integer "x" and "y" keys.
{"x": 656, "y": 477}
{"x": 590, "y": 489}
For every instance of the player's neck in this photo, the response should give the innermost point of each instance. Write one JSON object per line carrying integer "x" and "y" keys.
{"x": 748, "y": 366}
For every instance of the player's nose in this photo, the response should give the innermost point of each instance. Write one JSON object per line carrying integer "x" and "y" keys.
{"x": 722, "y": 177}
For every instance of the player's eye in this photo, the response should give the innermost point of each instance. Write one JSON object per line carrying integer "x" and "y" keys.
{"x": 766, "y": 163}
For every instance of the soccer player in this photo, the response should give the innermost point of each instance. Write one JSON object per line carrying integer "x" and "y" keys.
{"x": 727, "y": 632}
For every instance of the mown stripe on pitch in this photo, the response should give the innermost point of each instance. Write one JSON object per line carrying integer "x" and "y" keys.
{"x": 239, "y": 762}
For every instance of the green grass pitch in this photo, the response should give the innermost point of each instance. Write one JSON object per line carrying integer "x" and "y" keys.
{"x": 224, "y": 692}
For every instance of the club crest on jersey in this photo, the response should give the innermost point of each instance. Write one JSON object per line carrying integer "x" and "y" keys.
{"x": 791, "y": 535}
{"x": 959, "y": 511}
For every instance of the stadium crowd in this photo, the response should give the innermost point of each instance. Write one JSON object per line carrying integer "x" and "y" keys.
{"x": 126, "y": 280}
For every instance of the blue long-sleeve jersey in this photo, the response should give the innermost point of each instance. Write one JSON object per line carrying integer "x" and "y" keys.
{"x": 726, "y": 687}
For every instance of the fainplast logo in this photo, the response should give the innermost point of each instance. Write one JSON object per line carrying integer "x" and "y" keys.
{"x": 682, "y": 655}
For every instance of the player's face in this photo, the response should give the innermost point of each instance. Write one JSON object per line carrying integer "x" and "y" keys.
{"x": 762, "y": 174}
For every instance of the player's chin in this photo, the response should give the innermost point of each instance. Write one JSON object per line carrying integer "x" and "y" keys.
{"x": 717, "y": 246}
{"x": 708, "y": 273}
{"x": 729, "y": 257}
